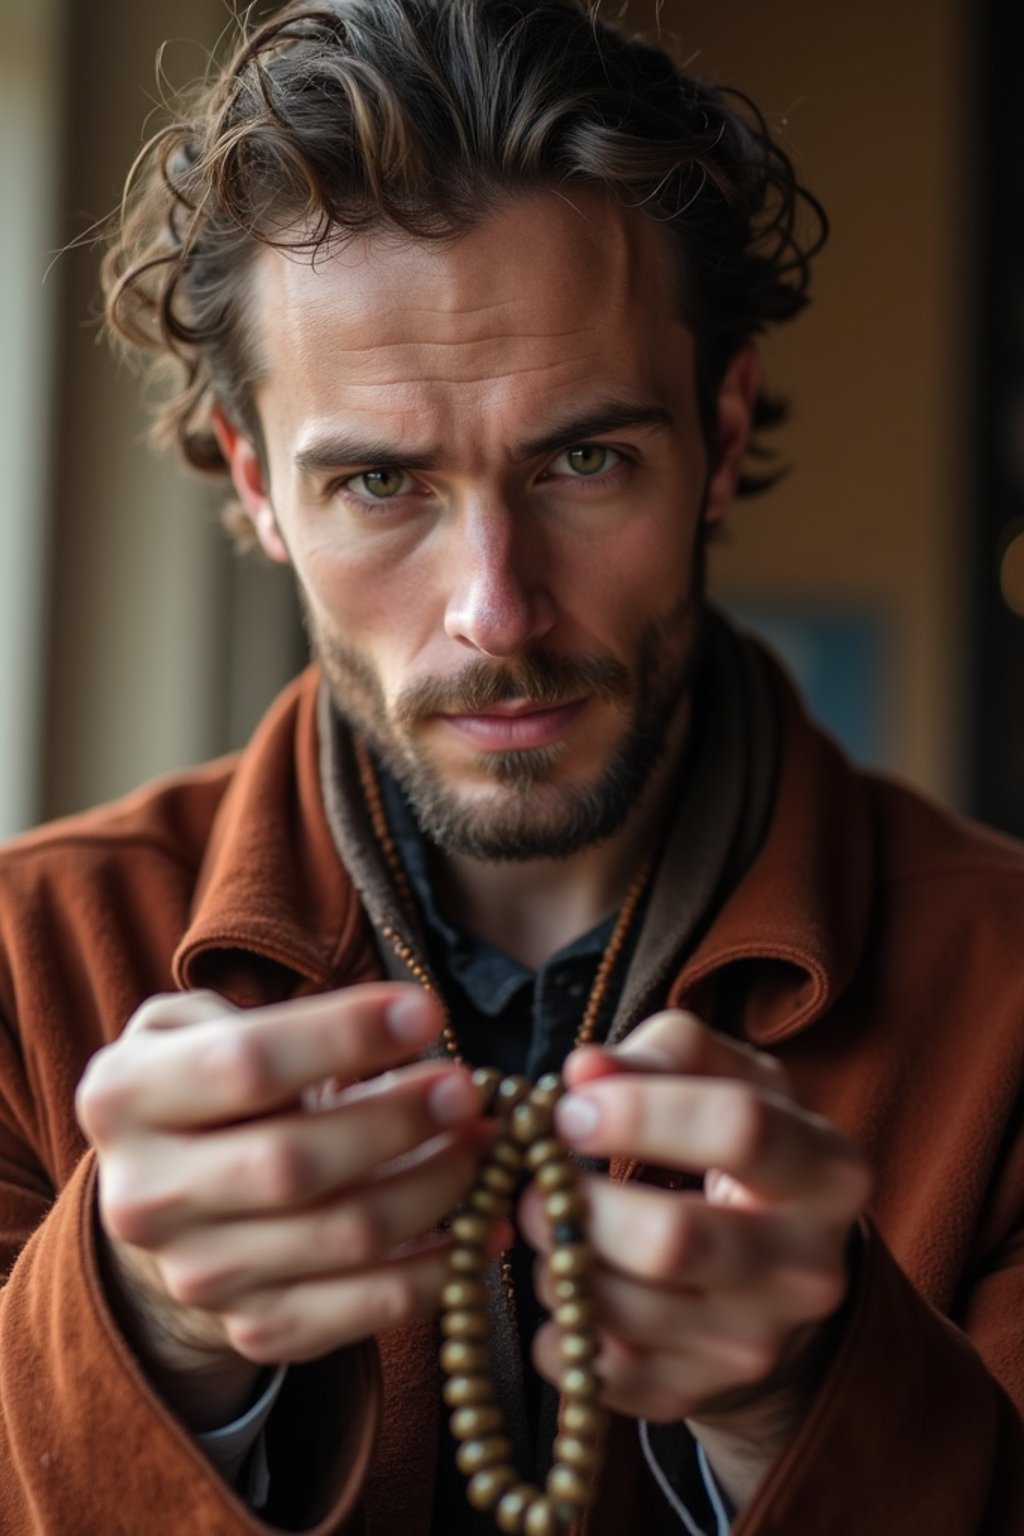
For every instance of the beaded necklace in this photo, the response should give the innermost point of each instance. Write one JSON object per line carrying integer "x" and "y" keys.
{"x": 525, "y": 1148}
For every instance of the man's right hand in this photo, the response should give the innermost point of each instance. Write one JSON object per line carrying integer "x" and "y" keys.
{"x": 268, "y": 1180}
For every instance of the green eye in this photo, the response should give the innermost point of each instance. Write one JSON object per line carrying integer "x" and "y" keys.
{"x": 380, "y": 484}
{"x": 587, "y": 460}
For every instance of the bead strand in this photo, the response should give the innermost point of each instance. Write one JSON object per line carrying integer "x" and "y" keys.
{"x": 527, "y": 1146}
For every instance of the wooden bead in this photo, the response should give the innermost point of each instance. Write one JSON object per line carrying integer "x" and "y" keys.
{"x": 460, "y": 1391}
{"x": 487, "y": 1081}
{"x": 474, "y": 1455}
{"x": 576, "y": 1314}
{"x": 548, "y": 1089}
{"x": 578, "y": 1381}
{"x": 572, "y": 1262}
{"x": 574, "y": 1451}
{"x": 463, "y": 1357}
{"x": 575, "y": 1348}
{"x": 511, "y": 1091}
{"x": 541, "y": 1519}
{"x": 471, "y": 1228}
{"x": 486, "y": 1488}
{"x": 476, "y": 1421}
{"x": 465, "y": 1259}
{"x": 564, "y": 1205}
{"x": 497, "y": 1177}
{"x": 529, "y": 1122}
{"x": 465, "y": 1293}
{"x": 554, "y": 1175}
{"x": 566, "y": 1485}
{"x": 508, "y": 1153}
{"x": 483, "y": 1450}
{"x": 465, "y": 1324}
{"x": 582, "y": 1419}
{"x": 511, "y": 1511}
{"x": 549, "y": 1151}
{"x": 489, "y": 1203}
{"x": 570, "y": 1287}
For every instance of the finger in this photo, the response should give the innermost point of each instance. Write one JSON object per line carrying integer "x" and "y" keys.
{"x": 677, "y": 1042}
{"x": 163, "y": 1183}
{"x": 242, "y": 1063}
{"x": 766, "y": 1142}
{"x": 212, "y": 1266}
{"x": 721, "y": 1323}
{"x": 678, "y": 1239}
{"x": 291, "y": 1323}
{"x": 647, "y": 1384}
{"x": 173, "y": 1010}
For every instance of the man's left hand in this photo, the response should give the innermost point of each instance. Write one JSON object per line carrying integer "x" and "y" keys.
{"x": 713, "y": 1305}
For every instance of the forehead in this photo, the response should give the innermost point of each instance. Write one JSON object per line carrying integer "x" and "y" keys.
{"x": 536, "y": 298}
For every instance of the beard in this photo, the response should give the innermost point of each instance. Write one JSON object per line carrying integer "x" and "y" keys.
{"x": 530, "y": 815}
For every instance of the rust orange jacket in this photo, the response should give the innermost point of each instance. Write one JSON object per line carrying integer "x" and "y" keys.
{"x": 876, "y": 945}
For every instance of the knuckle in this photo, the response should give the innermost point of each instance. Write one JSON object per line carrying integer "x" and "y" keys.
{"x": 156, "y": 1011}
{"x": 130, "y": 1219}
{"x": 689, "y": 1036}
{"x": 265, "y": 1338}
{"x": 395, "y": 1300}
{"x": 238, "y": 1062}
{"x": 279, "y": 1171}
{"x": 352, "y": 1237}
{"x": 104, "y": 1094}
{"x": 199, "y": 1285}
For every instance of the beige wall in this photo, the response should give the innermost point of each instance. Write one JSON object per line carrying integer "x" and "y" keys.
{"x": 30, "y": 112}
{"x": 163, "y": 648}
{"x": 874, "y": 98}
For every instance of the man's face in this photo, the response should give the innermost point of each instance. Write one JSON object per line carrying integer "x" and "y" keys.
{"x": 484, "y": 462}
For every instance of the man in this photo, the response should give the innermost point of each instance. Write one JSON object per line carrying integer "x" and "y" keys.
{"x": 464, "y": 296}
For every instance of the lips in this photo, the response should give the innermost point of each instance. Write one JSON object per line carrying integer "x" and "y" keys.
{"x": 516, "y": 725}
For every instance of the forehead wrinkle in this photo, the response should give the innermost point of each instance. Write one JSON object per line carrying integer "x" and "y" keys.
{"x": 505, "y": 339}
{"x": 431, "y": 380}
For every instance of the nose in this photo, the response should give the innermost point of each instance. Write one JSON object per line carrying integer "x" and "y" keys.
{"x": 499, "y": 601}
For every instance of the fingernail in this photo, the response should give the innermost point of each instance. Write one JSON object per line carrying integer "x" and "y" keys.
{"x": 451, "y": 1099}
{"x": 576, "y": 1117}
{"x": 411, "y": 1019}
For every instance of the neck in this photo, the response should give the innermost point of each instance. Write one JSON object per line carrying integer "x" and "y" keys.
{"x": 531, "y": 909}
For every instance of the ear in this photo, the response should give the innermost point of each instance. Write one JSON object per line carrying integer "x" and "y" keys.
{"x": 737, "y": 395}
{"x": 249, "y": 480}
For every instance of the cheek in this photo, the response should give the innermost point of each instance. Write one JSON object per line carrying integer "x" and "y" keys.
{"x": 644, "y": 572}
{"x": 370, "y": 604}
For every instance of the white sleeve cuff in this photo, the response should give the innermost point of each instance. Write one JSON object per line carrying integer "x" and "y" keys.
{"x": 229, "y": 1446}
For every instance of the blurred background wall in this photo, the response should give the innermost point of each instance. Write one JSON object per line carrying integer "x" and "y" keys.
{"x": 133, "y": 641}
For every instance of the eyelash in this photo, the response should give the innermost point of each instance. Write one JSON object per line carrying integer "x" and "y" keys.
{"x": 600, "y": 478}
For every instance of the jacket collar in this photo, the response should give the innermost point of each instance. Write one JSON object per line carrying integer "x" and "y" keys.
{"x": 276, "y": 914}
{"x": 801, "y": 913}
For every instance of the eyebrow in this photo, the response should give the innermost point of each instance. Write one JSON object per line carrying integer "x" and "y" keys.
{"x": 335, "y": 450}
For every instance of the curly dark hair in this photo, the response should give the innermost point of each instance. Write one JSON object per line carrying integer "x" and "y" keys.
{"x": 425, "y": 115}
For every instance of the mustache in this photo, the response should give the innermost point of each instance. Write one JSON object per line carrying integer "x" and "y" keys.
{"x": 543, "y": 678}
